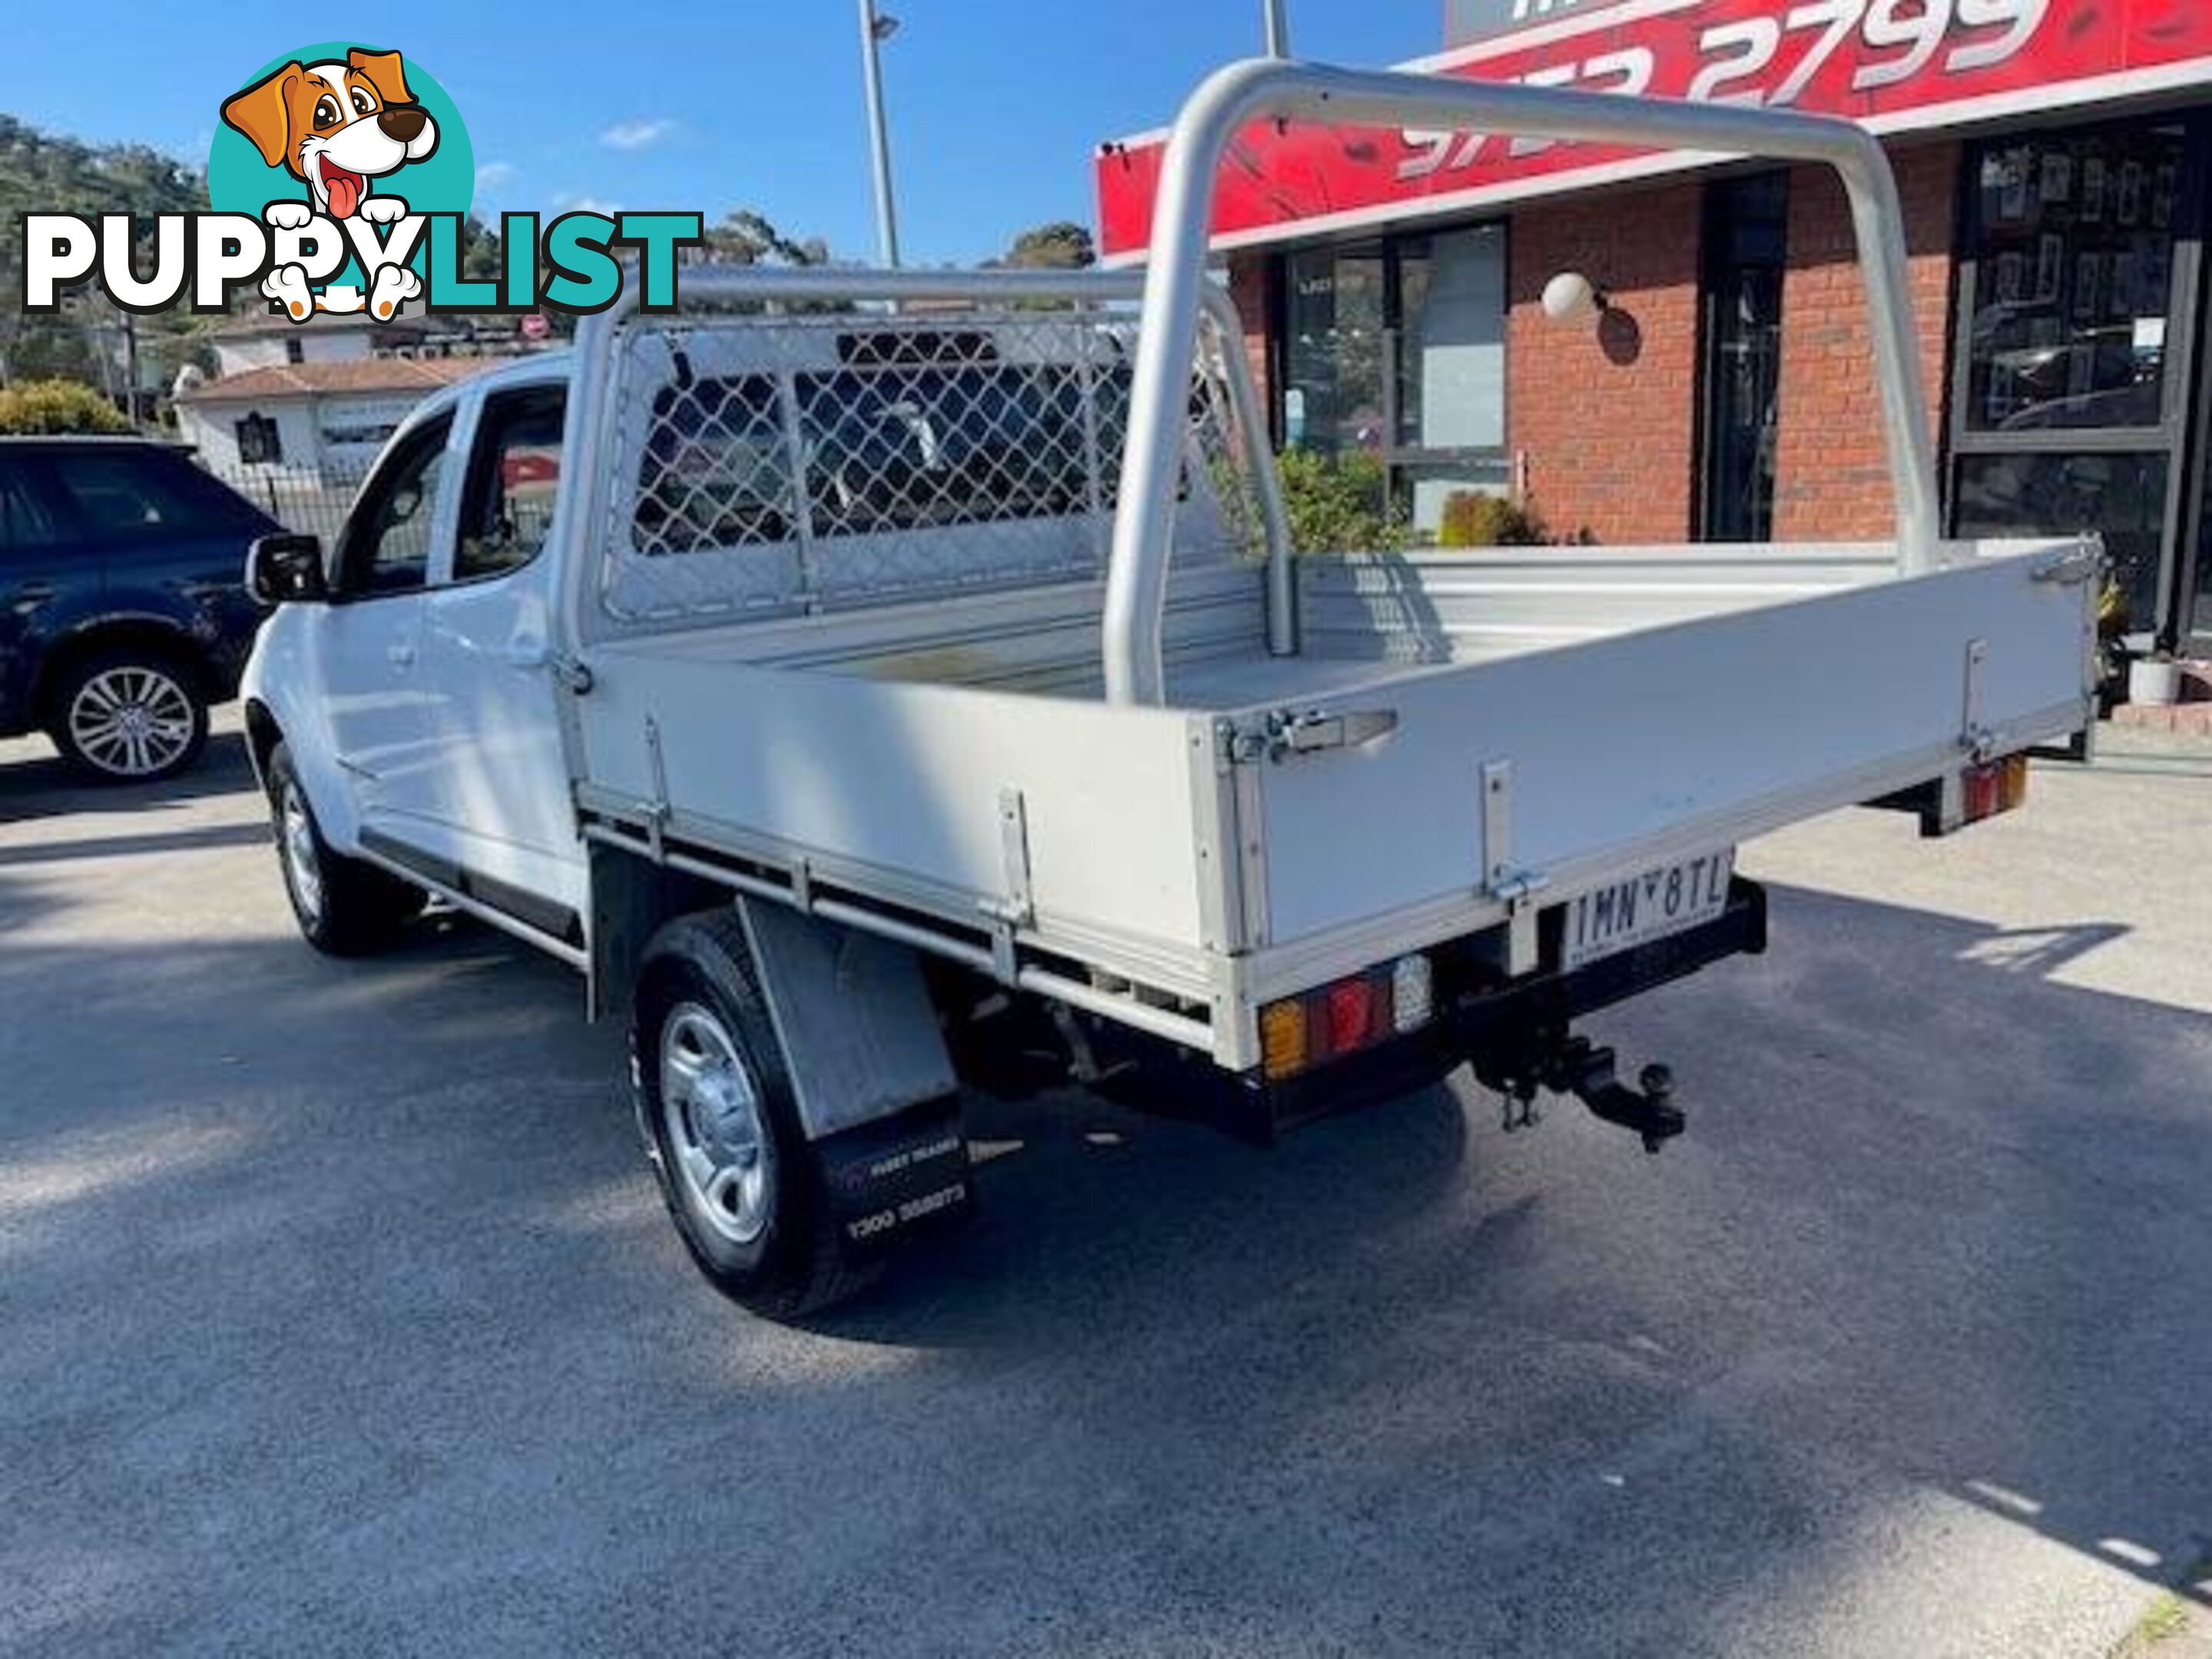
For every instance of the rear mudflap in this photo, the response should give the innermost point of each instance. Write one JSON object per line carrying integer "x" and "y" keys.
{"x": 888, "y": 1182}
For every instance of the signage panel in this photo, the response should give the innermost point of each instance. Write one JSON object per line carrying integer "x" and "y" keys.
{"x": 1899, "y": 65}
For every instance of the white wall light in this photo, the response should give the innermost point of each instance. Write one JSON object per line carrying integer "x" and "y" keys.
{"x": 1572, "y": 297}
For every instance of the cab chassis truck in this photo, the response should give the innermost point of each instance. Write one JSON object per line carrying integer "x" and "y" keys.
{"x": 879, "y": 683}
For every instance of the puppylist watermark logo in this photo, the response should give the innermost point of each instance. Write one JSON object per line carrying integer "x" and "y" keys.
{"x": 339, "y": 180}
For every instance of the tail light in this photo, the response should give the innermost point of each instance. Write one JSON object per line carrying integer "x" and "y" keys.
{"x": 1346, "y": 1016}
{"x": 1998, "y": 786}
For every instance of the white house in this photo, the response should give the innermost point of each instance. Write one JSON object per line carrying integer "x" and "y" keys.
{"x": 294, "y": 415}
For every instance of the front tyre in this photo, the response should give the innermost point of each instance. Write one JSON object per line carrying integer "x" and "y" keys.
{"x": 130, "y": 716}
{"x": 344, "y": 907}
{"x": 715, "y": 1104}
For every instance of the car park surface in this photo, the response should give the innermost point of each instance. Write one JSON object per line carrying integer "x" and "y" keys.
{"x": 337, "y": 1311}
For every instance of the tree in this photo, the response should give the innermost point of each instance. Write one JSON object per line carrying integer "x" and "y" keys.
{"x": 50, "y": 406}
{"x": 42, "y": 171}
{"x": 746, "y": 238}
{"x": 481, "y": 257}
{"x": 1060, "y": 245}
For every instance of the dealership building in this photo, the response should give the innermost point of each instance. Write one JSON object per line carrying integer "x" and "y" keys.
{"x": 2052, "y": 158}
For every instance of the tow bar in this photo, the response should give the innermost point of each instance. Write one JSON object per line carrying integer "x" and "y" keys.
{"x": 1577, "y": 1067}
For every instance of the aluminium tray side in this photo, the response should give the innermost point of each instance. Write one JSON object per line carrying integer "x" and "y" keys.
{"x": 899, "y": 788}
{"x": 1621, "y": 745}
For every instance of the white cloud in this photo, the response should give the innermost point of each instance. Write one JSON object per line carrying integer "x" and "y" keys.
{"x": 493, "y": 174}
{"x": 636, "y": 135}
{"x": 568, "y": 202}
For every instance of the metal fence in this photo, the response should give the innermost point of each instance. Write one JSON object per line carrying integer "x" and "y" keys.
{"x": 313, "y": 502}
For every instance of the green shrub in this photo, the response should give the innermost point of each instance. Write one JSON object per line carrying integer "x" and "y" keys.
{"x": 1472, "y": 519}
{"x": 52, "y": 406}
{"x": 1338, "y": 504}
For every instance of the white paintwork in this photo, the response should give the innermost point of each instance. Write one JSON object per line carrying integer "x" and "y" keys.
{"x": 430, "y": 717}
{"x": 1625, "y": 740}
{"x": 496, "y": 793}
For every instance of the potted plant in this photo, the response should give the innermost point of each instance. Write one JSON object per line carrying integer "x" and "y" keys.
{"x": 2155, "y": 681}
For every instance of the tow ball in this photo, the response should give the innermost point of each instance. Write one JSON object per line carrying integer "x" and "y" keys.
{"x": 1578, "y": 1067}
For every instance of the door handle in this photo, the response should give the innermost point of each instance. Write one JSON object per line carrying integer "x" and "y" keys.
{"x": 399, "y": 656}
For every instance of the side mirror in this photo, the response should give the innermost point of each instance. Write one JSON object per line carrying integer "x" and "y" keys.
{"x": 287, "y": 570}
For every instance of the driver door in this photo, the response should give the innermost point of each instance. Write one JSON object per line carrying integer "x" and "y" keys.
{"x": 379, "y": 710}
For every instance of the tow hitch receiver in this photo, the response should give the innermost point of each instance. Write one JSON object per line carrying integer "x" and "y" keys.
{"x": 1577, "y": 1067}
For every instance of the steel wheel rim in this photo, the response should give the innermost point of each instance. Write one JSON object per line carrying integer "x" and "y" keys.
{"x": 295, "y": 839}
{"x": 131, "y": 722}
{"x": 717, "y": 1141}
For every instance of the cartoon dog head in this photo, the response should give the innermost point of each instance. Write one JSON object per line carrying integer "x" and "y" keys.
{"x": 335, "y": 125}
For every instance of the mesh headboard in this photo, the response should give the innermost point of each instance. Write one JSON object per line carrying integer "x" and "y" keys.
{"x": 773, "y": 464}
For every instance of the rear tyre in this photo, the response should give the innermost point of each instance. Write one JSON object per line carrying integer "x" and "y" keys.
{"x": 130, "y": 715}
{"x": 720, "y": 1123}
{"x": 344, "y": 907}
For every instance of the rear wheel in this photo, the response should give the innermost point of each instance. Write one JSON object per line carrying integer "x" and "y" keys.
{"x": 720, "y": 1123}
{"x": 344, "y": 907}
{"x": 130, "y": 716}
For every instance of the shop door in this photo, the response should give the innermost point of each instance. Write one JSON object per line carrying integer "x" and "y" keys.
{"x": 1746, "y": 244}
{"x": 2077, "y": 350}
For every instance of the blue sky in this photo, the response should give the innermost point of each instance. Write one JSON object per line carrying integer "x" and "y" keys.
{"x": 994, "y": 104}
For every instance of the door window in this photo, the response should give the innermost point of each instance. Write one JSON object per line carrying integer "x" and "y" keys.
{"x": 514, "y": 479}
{"x": 1396, "y": 351}
{"x": 133, "y": 495}
{"x": 387, "y": 543}
{"x": 2122, "y": 497}
{"x": 1333, "y": 396}
{"x": 2074, "y": 235}
{"x": 2079, "y": 279}
{"x": 25, "y": 523}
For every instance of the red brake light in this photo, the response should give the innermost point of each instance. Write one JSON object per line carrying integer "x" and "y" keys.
{"x": 1351, "y": 1015}
{"x": 1998, "y": 786}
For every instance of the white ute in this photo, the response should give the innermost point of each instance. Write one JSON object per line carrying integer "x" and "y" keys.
{"x": 880, "y": 684}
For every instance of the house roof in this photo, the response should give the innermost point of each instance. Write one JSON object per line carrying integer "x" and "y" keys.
{"x": 251, "y": 323}
{"x": 356, "y": 374}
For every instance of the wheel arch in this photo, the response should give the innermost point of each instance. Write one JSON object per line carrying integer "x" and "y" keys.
{"x": 263, "y": 735}
{"x": 94, "y": 639}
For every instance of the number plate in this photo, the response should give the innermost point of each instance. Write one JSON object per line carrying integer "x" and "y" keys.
{"x": 1622, "y": 914}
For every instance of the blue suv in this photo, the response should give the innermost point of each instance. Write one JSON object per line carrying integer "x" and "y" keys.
{"x": 124, "y": 612}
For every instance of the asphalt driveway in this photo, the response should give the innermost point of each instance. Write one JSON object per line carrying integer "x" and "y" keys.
{"x": 337, "y": 1313}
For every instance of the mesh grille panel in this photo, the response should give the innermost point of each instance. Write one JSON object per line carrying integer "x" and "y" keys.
{"x": 800, "y": 462}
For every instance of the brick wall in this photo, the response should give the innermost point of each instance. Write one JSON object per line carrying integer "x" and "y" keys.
{"x": 1604, "y": 411}
{"x": 1247, "y": 287}
{"x": 1831, "y": 472}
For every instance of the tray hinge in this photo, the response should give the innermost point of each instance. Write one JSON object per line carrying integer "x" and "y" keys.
{"x": 1511, "y": 884}
{"x": 1974, "y": 734}
{"x": 1017, "y": 909}
{"x": 657, "y": 810}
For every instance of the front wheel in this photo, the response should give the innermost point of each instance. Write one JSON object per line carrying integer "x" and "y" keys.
{"x": 130, "y": 716}
{"x": 344, "y": 908}
{"x": 720, "y": 1122}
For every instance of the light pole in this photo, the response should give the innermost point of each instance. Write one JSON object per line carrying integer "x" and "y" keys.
{"x": 876, "y": 28}
{"x": 1279, "y": 31}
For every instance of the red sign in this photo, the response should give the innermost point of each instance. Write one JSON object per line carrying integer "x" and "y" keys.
{"x": 1897, "y": 65}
